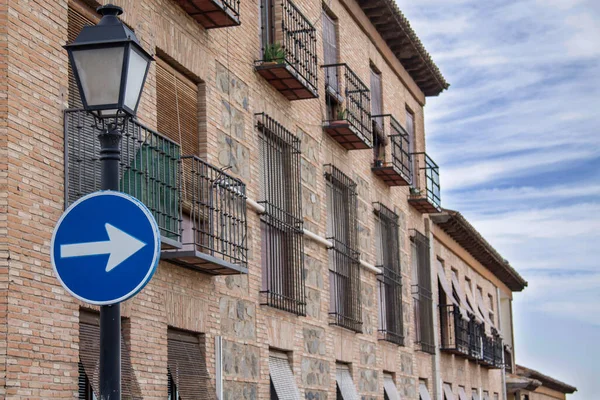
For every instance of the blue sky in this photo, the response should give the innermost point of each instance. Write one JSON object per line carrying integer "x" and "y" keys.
{"x": 517, "y": 139}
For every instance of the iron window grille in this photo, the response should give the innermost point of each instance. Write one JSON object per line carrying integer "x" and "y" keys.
{"x": 422, "y": 294}
{"x": 390, "y": 280}
{"x": 283, "y": 284}
{"x": 149, "y": 168}
{"x": 454, "y": 330}
{"x": 348, "y": 102}
{"x": 213, "y": 219}
{"x": 427, "y": 185}
{"x": 288, "y": 38}
{"x": 344, "y": 257}
{"x": 392, "y": 156}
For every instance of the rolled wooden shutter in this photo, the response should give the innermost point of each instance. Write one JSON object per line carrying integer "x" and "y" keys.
{"x": 187, "y": 365}
{"x": 329, "y": 40}
{"x": 89, "y": 356}
{"x": 177, "y": 108}
{"x": 77, "y": 19}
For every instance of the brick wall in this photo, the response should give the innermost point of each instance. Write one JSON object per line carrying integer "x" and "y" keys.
{"x": 41, "y": 320}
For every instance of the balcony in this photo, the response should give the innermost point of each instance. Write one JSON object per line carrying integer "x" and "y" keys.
{"x": 348, "y": 118}
{"x": 213, "y": 13}
{"x": 289, "y": 50}
{"x": 454, "y": 331}
{"x": 491, "y": 350}
{"x": 425, "y": 191}
{"x": 392, "y": 161}
{"x": 214, "y": 227}
{"x": 476, "y": 332}
{"x": 149, "y": 169}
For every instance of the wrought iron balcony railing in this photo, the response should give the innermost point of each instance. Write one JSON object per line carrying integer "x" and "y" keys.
{"x": 149, "y": 169}
{"x": 288, "y": 50}
{"x": 348, "y": 118}
{"x": 214, "y": 226}
{"x": 454, "y": 330}
{"x": 425, "y": 191}
{"x": 213, "y": 13}
{"x": 476, "y": 332}
{"x": 392, "y": 159}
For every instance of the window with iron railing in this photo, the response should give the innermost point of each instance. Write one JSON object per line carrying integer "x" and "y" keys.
{"x": 390, "y": 280}
{"x": 288, "y": 49}
{"x": 392, "y": 157}
{"x": 422, "y": 293}
{"x": 282, "y": 255}
{"x": 348, "y": 102}
{"x": 344, "y": 257}
{"x": 149, "y": 168}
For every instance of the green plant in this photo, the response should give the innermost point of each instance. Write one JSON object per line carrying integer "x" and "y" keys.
{"x": 341, "y": 114}
{"x": 274, "y": 53}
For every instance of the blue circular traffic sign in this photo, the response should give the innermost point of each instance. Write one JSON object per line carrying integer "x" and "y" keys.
{"x": 105, "y": 247}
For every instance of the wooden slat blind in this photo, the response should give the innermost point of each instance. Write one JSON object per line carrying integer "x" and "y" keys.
{"x": 177, "y": 108}
{"x": 89, "y": 356}
{"x": 187, "y": 365}
{"x": 77, "y": 19}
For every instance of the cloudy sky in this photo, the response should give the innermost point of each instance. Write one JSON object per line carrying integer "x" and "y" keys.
{"x": 517, "y": 140}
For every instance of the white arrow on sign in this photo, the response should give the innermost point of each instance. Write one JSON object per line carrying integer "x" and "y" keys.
{"x": 119, "y": 245}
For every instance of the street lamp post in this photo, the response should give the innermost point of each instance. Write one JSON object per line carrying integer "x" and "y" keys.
{"x": 110, "y": 67}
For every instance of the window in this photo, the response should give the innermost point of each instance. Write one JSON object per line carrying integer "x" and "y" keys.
{"x": 448, "y": 395}
{"x": 330, "y": 51}
{"x": 390, "y": 280}
{"x": 496, "y": 396}
{"x": 89, "y": 360}
{"x": 345, "y": 389}
{"x": 186, "y": 365}
{"x": 491, "y": 307}
{"x": 421, "y": 289}
{"x": 283, "y": 285}
{"x": 486, "y": 395}
{"x": 177, "y": 107}
{"x": 475, "y": 394}
{"x": 344, "y": 267}
{"x": 283, "y": 383}
{"x": 390, "y": 392}
{"x": 462, "y": 395}
{"x": 412, "y": 144}
{"x": 376, "y": 112}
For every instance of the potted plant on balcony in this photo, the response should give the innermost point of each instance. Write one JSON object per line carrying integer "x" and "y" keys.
{"x": 273, "y": 54}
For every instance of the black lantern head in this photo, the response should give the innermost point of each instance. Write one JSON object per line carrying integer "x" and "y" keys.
{"x": 110, "y": 66}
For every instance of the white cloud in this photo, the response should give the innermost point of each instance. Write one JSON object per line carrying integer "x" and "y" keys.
{"x": 518, "y": 143}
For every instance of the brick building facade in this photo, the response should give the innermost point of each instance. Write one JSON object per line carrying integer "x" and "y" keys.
{"x": 333, "y": 276}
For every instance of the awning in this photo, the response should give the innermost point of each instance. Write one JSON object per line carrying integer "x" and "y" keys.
{"x": 448, "y": 289}
{"x": 423, "y": 392}
{"x": 462, "y": 395}
{"x": 448, "y": 395}
{"x": 471, "y": 300}
{"x": 461, "y": 294}
{"x": 282, "y": 376}
{"x": 484, "y": 310}
{"x": 486, "y": 396}
{"x": 345, "y": 383}
{"x": 390, "y": 387}
{"x": 476, "y": 395}
{"x": 186, "y": 362}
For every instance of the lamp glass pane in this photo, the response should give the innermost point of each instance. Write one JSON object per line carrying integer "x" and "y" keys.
{"x": 99, "y": 71}
{"x": 135, "y": 77}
